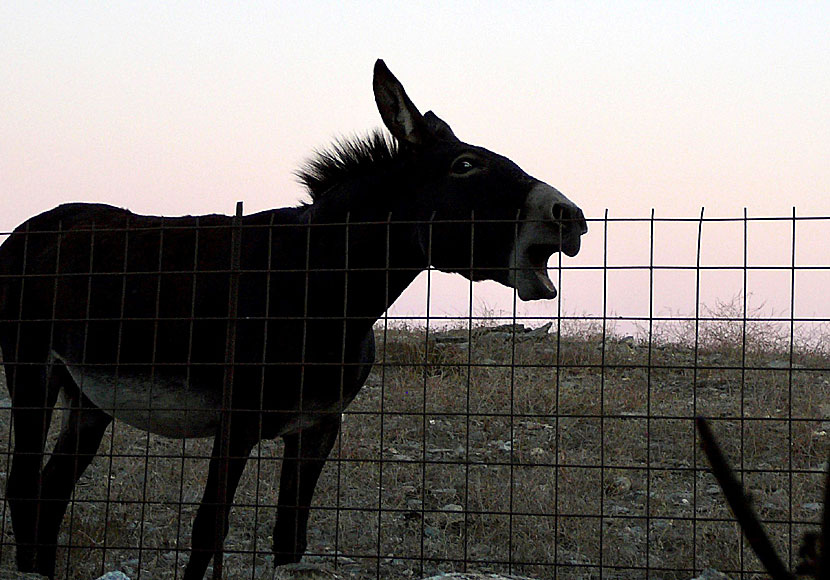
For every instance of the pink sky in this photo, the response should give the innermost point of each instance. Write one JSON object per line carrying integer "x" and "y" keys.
{"x": 179, "y": 109}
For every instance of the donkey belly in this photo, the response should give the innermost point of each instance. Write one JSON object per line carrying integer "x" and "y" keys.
{"x": 165, "y": 405}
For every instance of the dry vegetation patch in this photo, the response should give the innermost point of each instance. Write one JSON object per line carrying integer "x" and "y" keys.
{"x": 567, "y": 451}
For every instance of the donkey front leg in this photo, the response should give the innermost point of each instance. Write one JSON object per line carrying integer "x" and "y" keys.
{"x": 80, "y": 437}
{"x": 207, "y": 541}
{"x": 32, "y": 404}
{"x": 305, "y": 455}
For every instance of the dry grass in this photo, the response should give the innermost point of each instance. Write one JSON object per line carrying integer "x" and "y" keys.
{"x": 571, "y": 453}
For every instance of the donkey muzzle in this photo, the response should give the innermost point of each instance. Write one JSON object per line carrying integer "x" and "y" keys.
{"x": 552, "y": 223}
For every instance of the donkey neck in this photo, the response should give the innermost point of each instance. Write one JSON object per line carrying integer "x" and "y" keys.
{"x": 365, "y": 251}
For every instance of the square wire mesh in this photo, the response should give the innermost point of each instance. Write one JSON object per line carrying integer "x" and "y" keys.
{"x": 545, "y": 444}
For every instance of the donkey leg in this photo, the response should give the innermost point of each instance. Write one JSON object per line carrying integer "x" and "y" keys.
{"x": 77, "y": 444}
{"x": 305, "y": 455}
{"x": 33, "y": 395}
{"x": 206, "y": 540}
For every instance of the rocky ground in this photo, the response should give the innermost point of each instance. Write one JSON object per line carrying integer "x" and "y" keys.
{"x": 513, "y": 450}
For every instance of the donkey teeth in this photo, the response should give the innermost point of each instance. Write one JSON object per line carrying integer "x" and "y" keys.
{"x": 538, "y": 256}
{"x": 542, "y": 274}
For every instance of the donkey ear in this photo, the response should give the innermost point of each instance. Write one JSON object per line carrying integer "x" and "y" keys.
{"x": 439, "y": 127}
{"x": 398, "y": 112}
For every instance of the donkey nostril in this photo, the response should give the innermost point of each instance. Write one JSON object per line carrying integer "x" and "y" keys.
{"x": 569, "y": 216}
{"x": 559, "y": 212}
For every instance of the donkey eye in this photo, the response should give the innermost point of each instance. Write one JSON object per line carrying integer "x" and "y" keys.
{"x": 462, "y": 166}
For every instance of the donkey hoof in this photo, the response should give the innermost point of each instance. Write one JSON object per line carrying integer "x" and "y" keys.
{"x": 284, "y": 558}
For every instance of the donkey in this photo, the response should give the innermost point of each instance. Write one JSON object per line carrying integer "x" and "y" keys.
{"x": 131, "y": 316}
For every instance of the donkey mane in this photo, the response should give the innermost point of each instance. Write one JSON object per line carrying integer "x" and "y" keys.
{"x": 346, "y": 159}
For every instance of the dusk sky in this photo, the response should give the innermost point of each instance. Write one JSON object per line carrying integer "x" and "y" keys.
{"x": 185, "y": 108}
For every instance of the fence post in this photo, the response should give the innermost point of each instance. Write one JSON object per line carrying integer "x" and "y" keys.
{"x": 227, "y": 392}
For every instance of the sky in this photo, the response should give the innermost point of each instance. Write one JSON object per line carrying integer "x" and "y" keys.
{"x": 626, "y": 107}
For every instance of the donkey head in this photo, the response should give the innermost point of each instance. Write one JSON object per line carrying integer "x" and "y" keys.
{"x": 485, "y": 217}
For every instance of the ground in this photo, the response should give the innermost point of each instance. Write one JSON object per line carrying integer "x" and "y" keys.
{"x": 567, "y": 451}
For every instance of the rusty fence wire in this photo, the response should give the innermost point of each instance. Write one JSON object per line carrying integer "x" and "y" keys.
{"x": 543, "y": 441}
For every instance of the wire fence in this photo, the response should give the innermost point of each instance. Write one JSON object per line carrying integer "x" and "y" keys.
{"x": 530, "y": 442}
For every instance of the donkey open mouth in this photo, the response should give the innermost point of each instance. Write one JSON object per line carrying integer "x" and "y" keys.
{"x": 553, "y": 223}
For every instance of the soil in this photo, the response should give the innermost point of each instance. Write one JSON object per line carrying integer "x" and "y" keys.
{"x": 570, "y": 454}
